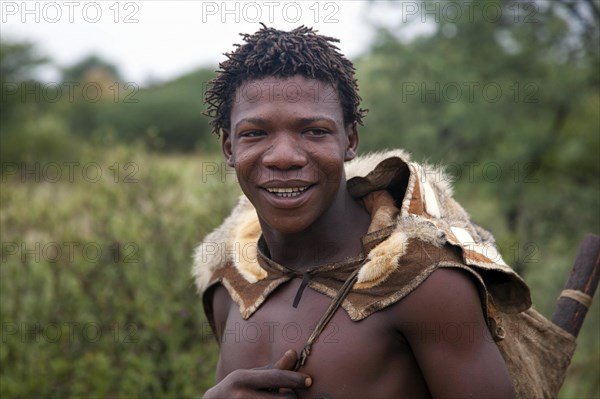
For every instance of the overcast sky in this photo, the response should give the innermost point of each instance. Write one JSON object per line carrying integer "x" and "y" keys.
{"x": 160, "y": 40}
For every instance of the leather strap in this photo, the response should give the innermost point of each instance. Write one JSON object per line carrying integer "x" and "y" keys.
{"x": 335, "y": 304}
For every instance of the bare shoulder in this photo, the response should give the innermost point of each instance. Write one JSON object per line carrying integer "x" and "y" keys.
{"x": 447, "y": 294}
{"x": 446, "y": 303}
{"x": 443, "y": 322}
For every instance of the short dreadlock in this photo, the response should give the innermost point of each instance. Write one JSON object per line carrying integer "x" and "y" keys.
{"x": 275, "y": 53}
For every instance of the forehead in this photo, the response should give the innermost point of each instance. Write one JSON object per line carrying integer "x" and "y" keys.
{"x": 296, "y": 92}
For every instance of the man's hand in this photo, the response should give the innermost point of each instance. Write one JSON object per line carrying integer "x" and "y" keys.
{"x": 272, "y": 381}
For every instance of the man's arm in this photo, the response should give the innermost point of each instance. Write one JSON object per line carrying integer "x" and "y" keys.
{"x": 221, "y": 304}
{"x": 443, "y": 323}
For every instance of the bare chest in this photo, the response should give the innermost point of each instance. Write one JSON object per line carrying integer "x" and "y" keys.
{"x": 368, "y": 358}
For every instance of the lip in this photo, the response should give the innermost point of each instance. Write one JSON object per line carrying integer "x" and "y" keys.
{"x": 285, "y": 184}
{"x": 295, "y": 201}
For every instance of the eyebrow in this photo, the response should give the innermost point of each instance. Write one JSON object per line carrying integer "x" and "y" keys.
{"x": 298, "y": 121}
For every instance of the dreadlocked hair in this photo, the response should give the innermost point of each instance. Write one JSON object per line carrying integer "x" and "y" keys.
{"x": 275, "y": 53}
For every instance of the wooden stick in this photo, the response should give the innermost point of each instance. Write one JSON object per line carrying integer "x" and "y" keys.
{"x": 576, "y": 298}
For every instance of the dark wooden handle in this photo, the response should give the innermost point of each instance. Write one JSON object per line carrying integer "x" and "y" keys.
{"x": 569, "y": 313}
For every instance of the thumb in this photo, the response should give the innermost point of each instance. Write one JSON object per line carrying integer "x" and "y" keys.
{"x": 287, "y": 361}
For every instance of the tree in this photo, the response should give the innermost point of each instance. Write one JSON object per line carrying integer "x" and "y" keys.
{"x": 17, "y": 63}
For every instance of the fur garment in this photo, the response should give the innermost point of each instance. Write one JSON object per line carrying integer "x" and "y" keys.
{"x": 416, "y": 228}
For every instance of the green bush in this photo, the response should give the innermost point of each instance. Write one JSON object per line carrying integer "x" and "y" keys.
{"x": 97, "y": 295}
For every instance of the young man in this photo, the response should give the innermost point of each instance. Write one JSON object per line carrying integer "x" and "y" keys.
{"x": 417, "y": 288}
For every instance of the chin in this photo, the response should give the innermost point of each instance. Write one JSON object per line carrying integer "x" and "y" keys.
{"x": 285, "y": 227}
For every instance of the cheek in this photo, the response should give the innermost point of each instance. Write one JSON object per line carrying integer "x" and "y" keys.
{"x": 332, "y": 170}
{"x": 247, "y": 173}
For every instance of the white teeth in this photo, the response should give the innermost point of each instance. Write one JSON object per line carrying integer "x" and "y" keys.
{"x": 287, "y": 192}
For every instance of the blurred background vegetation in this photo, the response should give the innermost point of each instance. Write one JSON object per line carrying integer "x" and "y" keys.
{"x": 106, "y": 191}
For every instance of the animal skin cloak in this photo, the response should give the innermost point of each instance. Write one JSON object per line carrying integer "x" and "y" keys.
{"x": 417, "y": 227}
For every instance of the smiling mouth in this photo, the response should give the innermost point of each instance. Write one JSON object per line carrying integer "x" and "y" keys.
{"x": 288, "y": 191}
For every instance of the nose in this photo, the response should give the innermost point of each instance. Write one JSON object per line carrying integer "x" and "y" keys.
{"x": 285, "y": 152}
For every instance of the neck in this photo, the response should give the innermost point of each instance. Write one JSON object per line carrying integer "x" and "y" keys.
{"x": 335, "y": 236}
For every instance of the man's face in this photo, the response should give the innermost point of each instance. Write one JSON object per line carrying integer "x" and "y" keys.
{"x": 288, "y": 143}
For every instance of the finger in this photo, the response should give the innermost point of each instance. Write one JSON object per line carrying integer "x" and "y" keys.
{"x": 287, "y": 361}
{"x": 286, "y": 393}
{"x": 275, "y": 379}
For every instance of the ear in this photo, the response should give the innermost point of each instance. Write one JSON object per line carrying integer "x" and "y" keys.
{"x": 352, "y": 135}
{"x": 226, "y": 147}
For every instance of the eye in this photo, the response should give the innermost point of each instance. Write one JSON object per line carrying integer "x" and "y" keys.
{"x": 316, "y": 132}
{"x": 252, "y": 133}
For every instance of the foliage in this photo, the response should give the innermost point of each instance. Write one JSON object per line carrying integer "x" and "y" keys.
{"x": 17, "y": 62}
{"x": 168, "y": 116}
{"x": 92, "y": 100}
{"x": 97, "y": 295}
{"x": 81, "y": 69}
